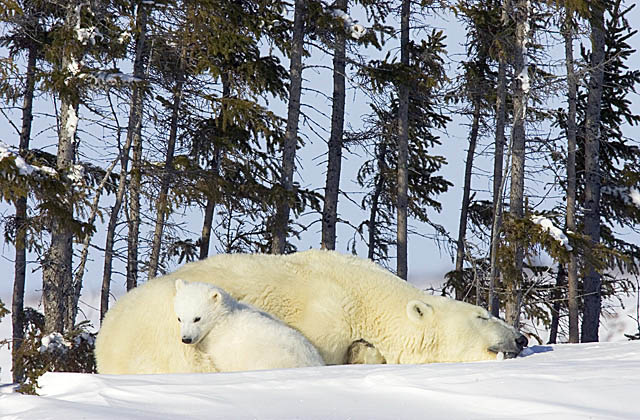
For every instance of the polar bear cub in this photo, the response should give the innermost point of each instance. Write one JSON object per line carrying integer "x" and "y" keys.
{"x": 236, "y": 336}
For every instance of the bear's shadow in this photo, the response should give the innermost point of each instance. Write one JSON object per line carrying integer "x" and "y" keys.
{"x": 531, "y": 350}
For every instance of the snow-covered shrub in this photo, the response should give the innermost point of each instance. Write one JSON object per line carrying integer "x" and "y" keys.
{"x": 55, "y": 352}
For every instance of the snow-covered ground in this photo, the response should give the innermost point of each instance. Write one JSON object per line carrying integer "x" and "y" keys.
{"x": 599, "y": 380}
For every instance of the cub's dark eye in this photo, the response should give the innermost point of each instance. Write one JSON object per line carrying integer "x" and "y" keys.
{"x": 484, "y": 318}
{"x": 179, "y": 320}
{"x": 196, "y": 319}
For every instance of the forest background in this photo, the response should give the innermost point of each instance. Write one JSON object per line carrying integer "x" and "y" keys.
{"x": 221, "y": 104}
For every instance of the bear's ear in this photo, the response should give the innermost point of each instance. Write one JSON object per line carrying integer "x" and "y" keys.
{"x": 180, "y": 284}
{"x": 214, "y": 295}
{"x": 418, "y": 310}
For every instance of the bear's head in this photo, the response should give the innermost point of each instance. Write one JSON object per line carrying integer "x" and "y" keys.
{"x": 446, "y": 330}
{"x": 198, "y": 306}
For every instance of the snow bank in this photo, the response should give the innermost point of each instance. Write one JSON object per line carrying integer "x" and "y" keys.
{"x": 597, "y": 380}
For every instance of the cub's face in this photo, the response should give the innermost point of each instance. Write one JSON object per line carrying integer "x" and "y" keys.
{"x": 196, "y": 306}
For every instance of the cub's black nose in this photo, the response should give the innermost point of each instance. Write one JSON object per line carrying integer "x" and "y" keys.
{"x": 522, "y": 341}
{"x": 186, "y": 340}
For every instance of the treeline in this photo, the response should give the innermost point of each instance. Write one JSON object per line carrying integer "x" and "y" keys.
{"x": 162, "y": 110}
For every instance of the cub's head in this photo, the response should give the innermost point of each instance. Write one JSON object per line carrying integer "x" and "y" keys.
{"x": 446, "y": 330}
{"x": 197, "y": 306}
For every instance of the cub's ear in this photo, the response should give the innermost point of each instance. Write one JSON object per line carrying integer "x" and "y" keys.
{"x": 417, "y": 310}
{"x": 180, "y": 284}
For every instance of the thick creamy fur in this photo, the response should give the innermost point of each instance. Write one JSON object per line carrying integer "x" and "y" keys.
{"x": 235, "y": 336}
{"x": 333, "y": 299}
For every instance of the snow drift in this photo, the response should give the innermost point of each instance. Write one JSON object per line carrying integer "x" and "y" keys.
{"x": 598, "y": 380}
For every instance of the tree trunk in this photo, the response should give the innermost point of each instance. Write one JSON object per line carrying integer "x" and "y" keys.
{"x": 592, "y": 281}
{"x": 466, "y": 194}
{"x": 332, "y": 185}
{"x": 161, "y": 203}
{"x": 290, "y": 141}
{"x": 133, "y": 216}
{"x": 403, "y": 148}
{"x": 376, "y": 199}
{"x": 205, "y": 237}
{"x": 516, "y": 200}
{"x": 133, "y": 137}
{"x": 209, "y": 211}
{"x": 17, "y": 305}
{"x": 56, "y": 272}
{"x": 498, "y": 182}
{"x": 572, "y": 274}
{"x": 57, "y": 287}
{"x": 556, "y": 296}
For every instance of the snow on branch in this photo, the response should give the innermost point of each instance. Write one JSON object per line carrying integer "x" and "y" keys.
{"x": 629, "y": 195}
{"x": 24, "y": 168}
{"x": 357, "y": 31}
{"x": 86, "y": 35}
{"x": 111, "y": 78}
{"x": 555, "y": 232}
{"x": 54, "y": 343}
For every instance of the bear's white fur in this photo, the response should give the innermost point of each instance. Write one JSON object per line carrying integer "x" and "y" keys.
{"x": 333, "y": 299}
{"x": 235, "y": 336}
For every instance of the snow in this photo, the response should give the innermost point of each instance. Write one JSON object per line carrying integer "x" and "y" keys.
{"x": 54, "y": 343}
{"x": 634, "y": 194}
{"x": 23, "y": 167}
{"x": 357, "y": 30}
{"x": 88, "y": 35}
{"x": 71, "y": 124}
{"x": 124, "y": 37}
{"x": 76, "y": 175}
{"x": 553, "y": 230}
{"x": 629, "y": 195}
{"x": 597, "y": 380}
{"x": 113, "y": 78}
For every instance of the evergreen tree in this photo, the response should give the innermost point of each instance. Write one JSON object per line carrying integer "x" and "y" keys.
{"x": 425, "y": 73}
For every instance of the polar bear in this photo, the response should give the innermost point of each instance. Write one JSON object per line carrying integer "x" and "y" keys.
{"x": 334, "y": 300}
{"x": 361, "y": 352}
{"x": 235, "y": 336}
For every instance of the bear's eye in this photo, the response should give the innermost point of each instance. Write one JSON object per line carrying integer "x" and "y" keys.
{"x": 196, "y": 319}
{"x": 179, "y": 320}
{"x": 484, "y": 318}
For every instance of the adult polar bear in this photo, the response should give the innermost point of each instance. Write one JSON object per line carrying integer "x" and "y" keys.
{"x": 333, "y": 299}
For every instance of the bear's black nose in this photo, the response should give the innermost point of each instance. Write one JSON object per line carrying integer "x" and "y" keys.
{"x": 186, "y": 340}
{"x": 522, "y": 341}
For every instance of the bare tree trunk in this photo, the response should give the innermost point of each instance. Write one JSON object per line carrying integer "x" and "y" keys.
{"x": 133, "y": 136}
{"x": 290, "y": 141}
{"x": 466, "y": 195}
{"x": 556, "y": 296}
{"x": 592, "y": 281}
{"x": 20, "y": 266}
{"x": 332, "y": 185}
{"x": 403, "y": 148}
{"x": 56, "y": 271}
{"x": 498, "y": 182}
{"x": 161, "y": 203}
{"x": 205, "y": 237}
{"x": 375, "y": 200}
{"x": 57, "y": 287}
{"x": 572, "y": 274}
{"x": 133, "y": 216}
{"x": 518, "y": 140}
{"x": 209, "y": 211}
